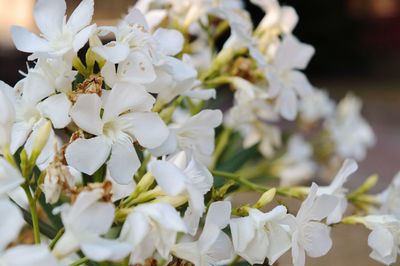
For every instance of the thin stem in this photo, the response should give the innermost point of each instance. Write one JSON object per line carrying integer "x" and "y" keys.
{"x": 222, "y": 142}
{"x": 80, "y": 262}
{"x": 241, "y": 180}
{"x": 56, "y": 238}
{"x": 32, "y": 207}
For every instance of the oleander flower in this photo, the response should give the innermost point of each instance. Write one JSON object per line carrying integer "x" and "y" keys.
{"x": 390, "y": 198}
{"x": 194, "y": 136}
{"x": 213, "y": 247}
{"x": 58, "y": 37}
{"x": 184, "y": 175}
{"x": 127, "y": 118}
{"x": 85, "y": 221}
{"x": 151, "y": 227}
{"x": 310, "y": 236}
{"x": 286, "y": 81}
{"x": 262, "y": 235}
{"x": 384, "y": 238}
{"x": 337, "y": 190}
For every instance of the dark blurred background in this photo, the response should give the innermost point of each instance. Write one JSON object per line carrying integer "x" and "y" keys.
{"x": 357, "y": 49}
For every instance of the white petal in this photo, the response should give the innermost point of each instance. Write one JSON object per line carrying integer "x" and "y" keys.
{"x": 36, "y": 88}
{"x": 32, "y": 255}
{"x": 135, "y": 16}
{"x": 188, "y": 251}
{"x": 298, "y": 253}
{"x": 82, "y": 37}
{"x": 221, "y": 251}
{"x": 280, "y": 242}
{"x": 113, "y": 52}
{"x": 219, "y": 214}
{"x": 56, "y": 108}
{"x": 120, "y": 191}
{"x": 287, "y": 104}
{"x": 169, "y": 146}
{"x": 317, "y": 240}
{"x": 242, "y": 230}
{"x": 137, "y": 68}
{"x": 300, "y": 83}
{"x": 135, "y": 228}
{"x": 293, "y": 54}
{"x": 349, "y": 167}
{"x": 381, "y": 241}
{"x": 322, "y": 207}
{"x": 86, "y": 113}
{"x": 10, "y": 177}
{"x": 49, "y": 17}
{"x": 102, "y": 249}
{"x": 109, "y": 74}
{"x": 289, "y": 18}
{"x": 87, "y": 155}
{"x": 27, "y": 41}
{"x": 169, "y": 177}
{"x": 123, "y": 163}
{"x": 20, "y": 132}
{"x": 170, "y": 41}
{"x": 148, "y": 128}
{"x": 11, "y": 222}
{"x": 124, "y": 97}
{"x": 82, "y": 16}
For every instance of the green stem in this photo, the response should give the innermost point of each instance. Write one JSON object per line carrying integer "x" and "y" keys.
{"x": 222, "y": 142}
{"x": 80, "y": 262}
{"x": 56, "y": 238}
{"x": 32, "y": 207}
{"x": 241, "y": 181}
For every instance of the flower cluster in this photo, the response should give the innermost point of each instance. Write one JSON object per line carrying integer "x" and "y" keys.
{"x": 128, "y": 152}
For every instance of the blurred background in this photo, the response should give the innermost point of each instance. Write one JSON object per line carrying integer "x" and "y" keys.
{"x": 357, "y": 49}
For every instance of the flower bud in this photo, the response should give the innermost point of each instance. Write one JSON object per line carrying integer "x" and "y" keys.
{"x": 265, "y": 198}
{"x": 40, "y": 141}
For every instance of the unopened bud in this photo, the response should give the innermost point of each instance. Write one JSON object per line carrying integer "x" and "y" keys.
{"x": 40, "y": 141}
{"x": 265, "y": 198}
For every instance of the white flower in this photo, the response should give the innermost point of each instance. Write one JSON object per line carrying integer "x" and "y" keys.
{"x": 316, "y": 106}
{"x": 390, "y": 198}
{"x": 337, "y": 190}
{"x": 262, "y": 235}
{"x": 177, "y": 176}
{"x": 213, "y": 246}
{"x": 310, "y": 235}
{"x": 58, "y": 36}
{"x": 85, "y": 221}
{"x": 351, "y": 133}
{"x": 32, "y": 255}
{"x": 195, "y": 136}
{"x": 285, "y": 80}
{"x": 384, "y": 238}
{"x": 151, "y": 227}
{"x": 37, "y": 103}
{"x": 296, "y": 165}
{"x": 132, "y": 35}
{"x": 7, "y": 114}
{"x": 11, "y": 223}
{"x": 126, "y": 118}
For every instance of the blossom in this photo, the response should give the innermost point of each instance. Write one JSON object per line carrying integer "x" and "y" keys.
{"x": 195, "y": 136}
{"x": 126, "y": 118}
{"x": 309, "y": 234}
{"x": 58, "y": 37}
{"x": 84, "y": 221}
{"x": 336, "y": 189}
{"x": 33, "y": 255}
{"x": 36, "y": 102}
{"x": 384, "y": 238}
{"x": 316, "y": 106}
{"x": 213, "y": 246}
{"x": 10, "y": 177}
{"x": 262, "y": 235}
{"x": 180, "y": 176}
{"x": 296, "y": 165}
{"x": 350, "y": 132}
{"x": 285, "y": 80}
{"x": 151, "y": 227}
{"x": 132, "y": 35}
